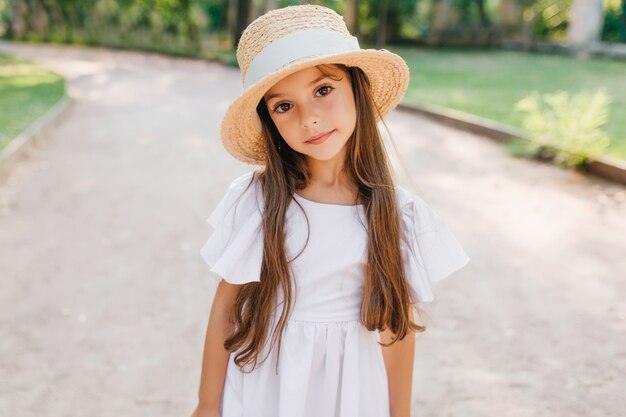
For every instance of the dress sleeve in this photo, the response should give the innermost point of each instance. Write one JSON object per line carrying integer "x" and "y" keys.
{"x": 234, "y": 251}
{"x": 430, "y": 250}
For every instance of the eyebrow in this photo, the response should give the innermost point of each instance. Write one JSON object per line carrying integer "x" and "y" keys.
{"x": 311, "y": 83}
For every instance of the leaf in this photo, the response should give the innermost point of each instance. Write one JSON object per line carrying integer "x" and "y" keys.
{"x": 571, "y": 124}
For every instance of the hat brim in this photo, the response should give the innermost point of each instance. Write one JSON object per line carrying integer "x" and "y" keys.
{"x": 240, "y": 130}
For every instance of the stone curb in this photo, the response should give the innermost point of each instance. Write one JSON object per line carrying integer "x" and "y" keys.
{"x": 18, "y": 148}
{"x": 605, "y": 166}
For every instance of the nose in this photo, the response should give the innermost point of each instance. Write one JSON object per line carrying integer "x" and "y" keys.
{"x": 309, "y": 117}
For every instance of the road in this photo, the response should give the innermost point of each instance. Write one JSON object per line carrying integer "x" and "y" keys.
{"x": 105, "y": 297}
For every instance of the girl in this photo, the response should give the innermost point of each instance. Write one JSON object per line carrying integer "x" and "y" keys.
{"x": 321, "y": 258}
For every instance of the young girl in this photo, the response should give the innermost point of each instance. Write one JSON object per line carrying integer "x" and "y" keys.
{"x": 322, "y": 260}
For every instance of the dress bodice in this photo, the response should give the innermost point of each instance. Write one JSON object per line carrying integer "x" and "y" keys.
{"x": 333, "y": 260}
{"x": 326, "y": 245}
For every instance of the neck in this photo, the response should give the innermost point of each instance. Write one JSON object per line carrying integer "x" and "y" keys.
{"x": 328, "y": 173}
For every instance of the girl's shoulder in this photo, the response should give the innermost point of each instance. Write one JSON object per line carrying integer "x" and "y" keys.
{"x": 248, "y": 182}
{"x": 234, "y": 250}
{"x": 243, "y": 180}
{"x": 430, "y": 249}
{"x": 416, "y": 213}
{"x": 243, "y": 194}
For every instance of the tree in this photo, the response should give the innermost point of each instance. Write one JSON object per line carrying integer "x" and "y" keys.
{"x": 270, "y": 5}
{"x": 351, "y": 16}
{"x": 443, "y": 15}
{"x": 241, "y": 15}
{"x": 585, "y": 26}
{"x": 509, "y": 17}
{"x": 381, "y": 29}
{"x": 17, "y": 25}
{"x": 482, "y": 14}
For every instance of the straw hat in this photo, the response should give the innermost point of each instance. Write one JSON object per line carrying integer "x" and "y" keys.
{"x": 286, "y": 40}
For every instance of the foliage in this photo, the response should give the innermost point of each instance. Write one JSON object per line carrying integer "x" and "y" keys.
{"x": 614, "y": 29}
{"x": 216, "y": 12}
{"x": 400, "y": 14}
{"x": 469, "y": 13}
{"x": 181, "y": 24}
{"x": 551, "y": 18}
{"x": 5, "y": 16}
{"x": 568, "y": 126}
{"x": 124, "y": 23}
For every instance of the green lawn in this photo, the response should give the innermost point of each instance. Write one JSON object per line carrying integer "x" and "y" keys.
{"x": 487, "y": 83}
{"x": 27, "y": 91}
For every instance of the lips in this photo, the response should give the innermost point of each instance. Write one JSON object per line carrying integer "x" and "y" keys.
{"x": 320, "y": 138}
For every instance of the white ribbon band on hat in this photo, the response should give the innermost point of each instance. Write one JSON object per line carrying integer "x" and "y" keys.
{"x": 297, "y": 45}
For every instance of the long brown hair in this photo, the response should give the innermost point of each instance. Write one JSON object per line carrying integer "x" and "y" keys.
{"x": 386, "y": 300}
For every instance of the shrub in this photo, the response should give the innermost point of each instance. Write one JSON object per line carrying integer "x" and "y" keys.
{"x": 567, "y": 127}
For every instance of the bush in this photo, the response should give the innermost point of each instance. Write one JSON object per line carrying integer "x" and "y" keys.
{"x": 614, "y": 28}
{"x": 566, "y": 127}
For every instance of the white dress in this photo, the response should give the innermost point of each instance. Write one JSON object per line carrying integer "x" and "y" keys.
{"x": 330, "y": 364}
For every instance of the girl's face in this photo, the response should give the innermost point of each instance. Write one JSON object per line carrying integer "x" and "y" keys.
{"x": 307, "y": 104}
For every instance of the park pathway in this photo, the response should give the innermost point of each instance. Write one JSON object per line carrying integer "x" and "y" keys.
{"x": 105, "y": 297}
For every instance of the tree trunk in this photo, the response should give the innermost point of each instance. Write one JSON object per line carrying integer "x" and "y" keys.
{"x": 509, "y": 17}
{"x": 381, "y": 29}
{"x": 528, "y": 21}
{"x": 56, "y": 17}
{"x": 17, "y": 19}
{"x": 257, "y": 8}
{"x": 393, "y": 26}
{"x": 270, "y": 5}
{"x": 585, "y": 25}
{"x": 191, "y": 30}
{"x": 440, "y": 16}
{"x": 482, "y": 16}
{"x": 242, "y": 12}
{"x": 351, "y": 16}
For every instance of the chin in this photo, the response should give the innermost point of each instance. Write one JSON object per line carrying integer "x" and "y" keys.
{"x": 322, "y": 157}
{"x": 325, "y": 154}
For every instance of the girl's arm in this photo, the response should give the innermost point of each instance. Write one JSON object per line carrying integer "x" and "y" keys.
{"x": 215, "y": 357}
{"x": 399, "y": 366}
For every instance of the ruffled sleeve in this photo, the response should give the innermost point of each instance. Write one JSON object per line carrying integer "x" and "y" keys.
{"x": 430, "y": 250}
{"x": 234, "y": 251}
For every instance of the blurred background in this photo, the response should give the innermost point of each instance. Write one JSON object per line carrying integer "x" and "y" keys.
{"x": 110, "y": 163}
{"x": 455, "y": 49}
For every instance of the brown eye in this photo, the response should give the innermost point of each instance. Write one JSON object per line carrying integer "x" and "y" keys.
{"x": 280, "y": 107}
{"x": 325, "y": 87}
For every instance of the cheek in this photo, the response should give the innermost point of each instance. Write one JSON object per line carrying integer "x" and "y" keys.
{"x": 343, "y": 100}
{"x": 279, "y": 122}
{"x": 285, "y": 127}
{"x": 288, "y": 130}
{"x": 344, "y": 112}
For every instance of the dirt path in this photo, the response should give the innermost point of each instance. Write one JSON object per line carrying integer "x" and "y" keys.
{"x": 105, "y": 297}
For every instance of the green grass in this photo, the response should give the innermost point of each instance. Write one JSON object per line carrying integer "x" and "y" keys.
{"x": 487, "y": 83}
{"x": 27, "y": 91}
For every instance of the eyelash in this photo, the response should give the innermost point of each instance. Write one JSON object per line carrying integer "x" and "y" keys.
{"x": 323, "y": 86}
